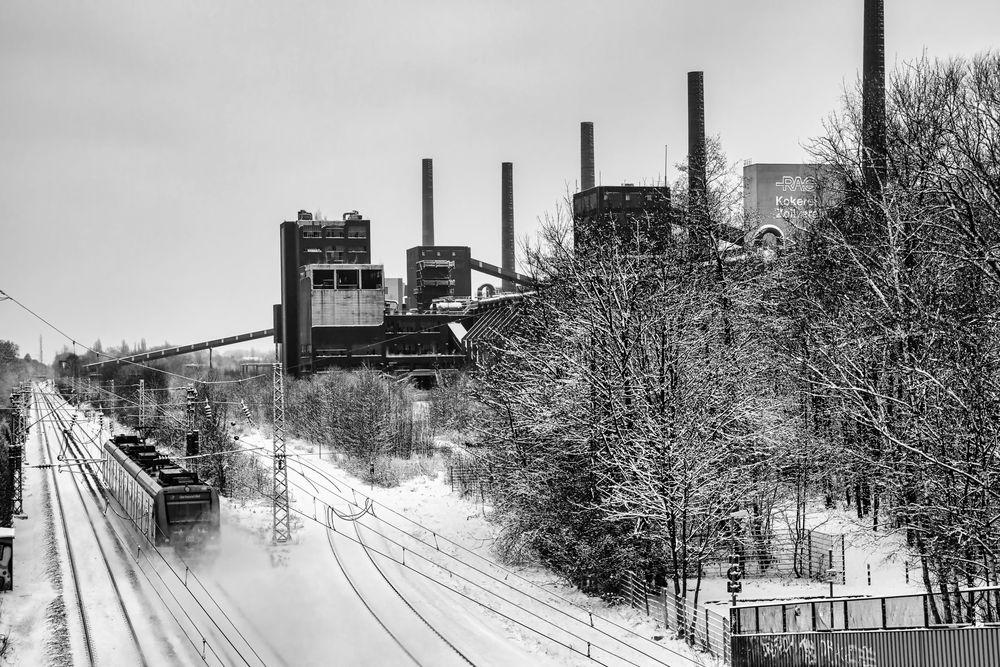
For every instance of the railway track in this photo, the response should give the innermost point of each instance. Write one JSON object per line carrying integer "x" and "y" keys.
{"x": 350, "y": 582}
{"x": 331, "y": 515}
{"x": 94, "y": 651}
{"x": 613, "y": 648}
{"x": 195, "y": 604}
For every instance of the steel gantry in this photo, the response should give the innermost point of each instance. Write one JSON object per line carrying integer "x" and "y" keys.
{"x": 282, "y": 530}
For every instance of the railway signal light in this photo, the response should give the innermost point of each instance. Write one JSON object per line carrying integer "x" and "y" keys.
{"x": 193, "y": 444}
{"x": 734, "y": 574}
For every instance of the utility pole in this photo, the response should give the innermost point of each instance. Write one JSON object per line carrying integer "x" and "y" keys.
{"x": 192, "y": 440}
{"x": 142, "y": 406}
{"x": 282, "y": 530}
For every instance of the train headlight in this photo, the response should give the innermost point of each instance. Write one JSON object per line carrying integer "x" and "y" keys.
{"x": 186, "y": 489}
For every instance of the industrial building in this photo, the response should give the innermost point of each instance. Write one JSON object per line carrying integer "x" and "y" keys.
{"x": 780, "y": 199}
{"x": 437, "y": 272}
{"x": 627, "y": 212}
{"x": 338, "y": 310}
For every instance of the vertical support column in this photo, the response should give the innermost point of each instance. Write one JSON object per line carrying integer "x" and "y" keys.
{"x": 282, "y": 531}
{"x": 142, "y": 405}
{"x": 114, "y": 403}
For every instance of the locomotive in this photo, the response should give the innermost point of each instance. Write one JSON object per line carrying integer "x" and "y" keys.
{"x": 167, "y": 503}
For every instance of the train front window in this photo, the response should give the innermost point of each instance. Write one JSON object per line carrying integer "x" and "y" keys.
{"x": 186, "y": 511}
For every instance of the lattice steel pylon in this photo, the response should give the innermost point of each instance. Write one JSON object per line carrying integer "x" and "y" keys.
{"x": 282, "y": 530}
{"x": 19, "y": 401}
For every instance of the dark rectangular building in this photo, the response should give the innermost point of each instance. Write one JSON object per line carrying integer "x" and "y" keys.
{"x": 605, "y": 212}
{"x": 307, "y": 241}
{"x": 435, "y": 272}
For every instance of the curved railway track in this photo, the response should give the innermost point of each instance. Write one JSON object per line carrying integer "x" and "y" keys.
{"x": 350, "y": 582}
{"x": 59, "y": 420}
{"x": 329, "y": 536}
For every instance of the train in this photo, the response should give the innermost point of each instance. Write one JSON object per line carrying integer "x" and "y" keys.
{"x": 167, "y": 503}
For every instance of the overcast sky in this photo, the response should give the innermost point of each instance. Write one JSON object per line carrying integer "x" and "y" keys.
{"x": 151, "y": 149}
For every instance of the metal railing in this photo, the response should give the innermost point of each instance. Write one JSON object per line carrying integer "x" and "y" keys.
{"x": 700, "y": 627}
{"x": 784, "y": 552}
{"x": 894, "y": 612}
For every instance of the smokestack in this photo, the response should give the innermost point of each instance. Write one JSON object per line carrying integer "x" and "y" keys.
{"x": 873, "y": 132}
{"x": 586, "y": 156}
{"x": 697, "y": 178}
{"x": 507, "y": 222}
{"x": 428, "y": 201}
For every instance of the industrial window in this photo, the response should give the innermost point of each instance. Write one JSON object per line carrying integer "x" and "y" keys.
{"x": 347, "y": 279}
{"x": 357, "y": 233}
{"x": 324, "y": 279}
{"x": 371, "y": 279}
{"x": 311, "y": 234}
{"x": 334, "y": 233}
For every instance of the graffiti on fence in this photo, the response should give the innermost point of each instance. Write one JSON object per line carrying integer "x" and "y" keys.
{"x": 815, "y": 651}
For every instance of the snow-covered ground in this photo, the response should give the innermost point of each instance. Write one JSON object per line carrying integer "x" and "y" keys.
{"x": 412, "y": 580}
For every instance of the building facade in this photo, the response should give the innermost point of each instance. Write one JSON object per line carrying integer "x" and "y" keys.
{"x": 307, "y": 241}
{"x": 781, "y": 199}
{"x": 607, "y": 212}
{"x": 437, "y": 272}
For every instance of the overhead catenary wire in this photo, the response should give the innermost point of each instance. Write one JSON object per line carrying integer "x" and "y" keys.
{"x": 187, "y": 566}
{"x": 121, "y": 540}
{"x": 369, "y": 503}
{"x": 363, "y": 511}
{"x": 44, "y": 435}
{"x": 396, "y": 590}
{"x": 464, "y": 578}
{"x": 503, "y": 582}
{"x": 432, "y": 579}
{"x": 492, "y": 593}
{"x": 119, "y": 359}
{"x": 189, "y": 570}
{"x": 175, "y": 458}
{"x": 488, "y": 575}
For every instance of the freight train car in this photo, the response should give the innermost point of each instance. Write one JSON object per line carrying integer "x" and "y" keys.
{"x": 167, "y": 503}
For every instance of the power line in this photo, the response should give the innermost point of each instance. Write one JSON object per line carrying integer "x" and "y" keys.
{"x": 371, "y": 502}
{"x": 177, "y": 576}
{"x": 119, "y": 359}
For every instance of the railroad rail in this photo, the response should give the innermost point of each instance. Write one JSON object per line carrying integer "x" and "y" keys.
{"x": 85, "y": 610}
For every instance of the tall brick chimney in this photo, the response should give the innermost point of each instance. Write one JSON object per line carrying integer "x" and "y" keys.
{"x": 428, "y": 202}
{"x": 586, "y": 156}
{"x": 697, "y": 178}
{"x": 874, "y": 164}
{"x": 507, "y": 222}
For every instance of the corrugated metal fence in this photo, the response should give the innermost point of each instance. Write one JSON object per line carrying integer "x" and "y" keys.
{"x": 960, "y": 647}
